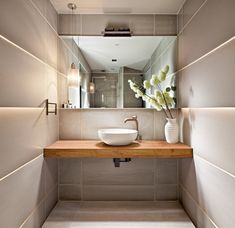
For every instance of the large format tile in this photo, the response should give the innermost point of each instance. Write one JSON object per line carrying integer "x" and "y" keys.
{"x": 118, "y": 192}
{"x": 167, "y": 171}
{"x": 197, "y": 215}
{"x": 103, "y": 172}
{"x": 190, "y": 8}
{"x": 209, "y": 82}
{"x": 70, "y": 171}
{"x": 20, "y": 85}
{"x": 40, "y": 213}
{"x": 211, "y": 26}
{"x": 211, "y": 188}
{"x": 210, "y": 133}
{"x": 13, "y": 15}
{"x": 166, "y": 192}
{"x": 65, "y": 22}
{"x": 48, "y": 11}
{"x": 20, "y": 193}
{"x": 70, "y": 124}
{"x": 69, "y": 192}
{"x": 165, "y": 25}
{"x": 24, "y": 134}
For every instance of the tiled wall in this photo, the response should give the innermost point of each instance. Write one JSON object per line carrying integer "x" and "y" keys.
{"x": 93, "y": 25}
{"x": 28, "y": 75}
{"x": 98, "y": 179}
{"x": 206, "y": 77}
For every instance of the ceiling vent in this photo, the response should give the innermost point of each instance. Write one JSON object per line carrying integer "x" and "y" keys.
{"x": 117, "y": 32}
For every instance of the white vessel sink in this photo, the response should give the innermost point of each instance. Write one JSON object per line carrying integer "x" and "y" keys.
{"x": 117, "y": 136}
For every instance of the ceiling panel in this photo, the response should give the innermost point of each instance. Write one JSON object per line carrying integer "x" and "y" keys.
{"x": 132, "y": 52}
{"x": 120, "y": 6}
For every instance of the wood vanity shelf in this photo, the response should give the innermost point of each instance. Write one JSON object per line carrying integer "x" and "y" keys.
{"x": 95, "y": 148}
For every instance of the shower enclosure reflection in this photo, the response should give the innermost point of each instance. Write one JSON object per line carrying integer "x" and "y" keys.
{"x": 107, "y": 63}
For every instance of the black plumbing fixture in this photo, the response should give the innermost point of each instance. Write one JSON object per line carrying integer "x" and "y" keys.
{"x": 117, "y": 161}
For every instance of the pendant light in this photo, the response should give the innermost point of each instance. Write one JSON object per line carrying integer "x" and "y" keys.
{"x": 92, "y": 87}
{"x": 74, "y": 73}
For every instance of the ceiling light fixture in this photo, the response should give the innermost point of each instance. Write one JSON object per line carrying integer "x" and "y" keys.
{"x": 74, "y": 77}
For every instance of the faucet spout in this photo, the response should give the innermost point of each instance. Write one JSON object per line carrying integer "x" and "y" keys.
{"x": 134, "y": 118}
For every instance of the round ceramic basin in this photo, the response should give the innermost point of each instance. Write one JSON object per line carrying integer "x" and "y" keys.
{"x": 117, "y": 136}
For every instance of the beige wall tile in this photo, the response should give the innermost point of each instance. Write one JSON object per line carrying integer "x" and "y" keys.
{"x": 65, "y": 24}
{"x": 190, "y": 8}
{"x": 51, "y": 15}
{"x": 168, "y": 192}
{"x": 197, "y": 215}
{"x": 70, "y": 124}
{"x": 103, "y": 172}
{"x": 139, "y": 24}
{"x": 69, "y": 192}
{"x": 84, "y": 124}
{"x": 165, "y": 25}
{"x": 50, "y": 200}
{"x": 180, "y": 20}
{"x": 36, "y": 218}
{"x": 210, "y": 132}
{"x": 18, "y": 13}
{"x": 209, "y": 82}
{"x": 212, "y": 26}
{"x": 20, "y": 193}
{"x": 47, "y": 10}
{"x": 51, "y": 173}
{"x": 211, "y": 188}
{"x": 70, "y": 171}
{"x": 167, "y": 171}
{"x": 24, "y": 132}
{"x": 119, "y": 192}
{"x": 13, "y": 83}
{"x": 52, "y": 47}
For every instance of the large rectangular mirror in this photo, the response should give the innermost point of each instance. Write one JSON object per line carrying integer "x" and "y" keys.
{"x": 107, "y": 63}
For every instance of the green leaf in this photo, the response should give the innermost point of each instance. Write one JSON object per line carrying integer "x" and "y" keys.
{"x": 173, "y": 88}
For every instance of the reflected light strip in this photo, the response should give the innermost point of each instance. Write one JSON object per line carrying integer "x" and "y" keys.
{"x": 198, "y": 205}
{"x": 23, "y": 50}
{"x": 195, "y": 155}
{"x": 208, "y": 108}
{"x": 9, "y": 174}
{"x": 28, "y": 53}
{"x": 208, "y": 53}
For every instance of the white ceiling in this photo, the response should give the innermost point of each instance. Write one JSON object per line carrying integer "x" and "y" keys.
{"x": 133, "y": 52}
{"x": 120, "y": 6}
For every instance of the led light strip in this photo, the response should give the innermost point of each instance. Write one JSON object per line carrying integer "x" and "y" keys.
{"x": 16, "y": 170}
{"x": 208, "y": 53}
{"x": 204, "y": 212}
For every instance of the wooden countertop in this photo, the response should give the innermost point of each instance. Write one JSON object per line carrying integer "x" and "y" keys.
{"x": 93, "y": 148}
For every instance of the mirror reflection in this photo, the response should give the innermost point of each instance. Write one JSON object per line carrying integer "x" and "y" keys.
{"x": 107, "y": 63}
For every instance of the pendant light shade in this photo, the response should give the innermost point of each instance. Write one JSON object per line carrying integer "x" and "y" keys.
{"x": 92, "y": 87}
{"x": 74, "y": 78}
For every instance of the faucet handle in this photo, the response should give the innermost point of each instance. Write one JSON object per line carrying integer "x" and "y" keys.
{"x": 134, "y": 117}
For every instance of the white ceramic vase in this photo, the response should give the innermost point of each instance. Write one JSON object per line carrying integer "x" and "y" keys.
{"x": 172, "y": 131}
